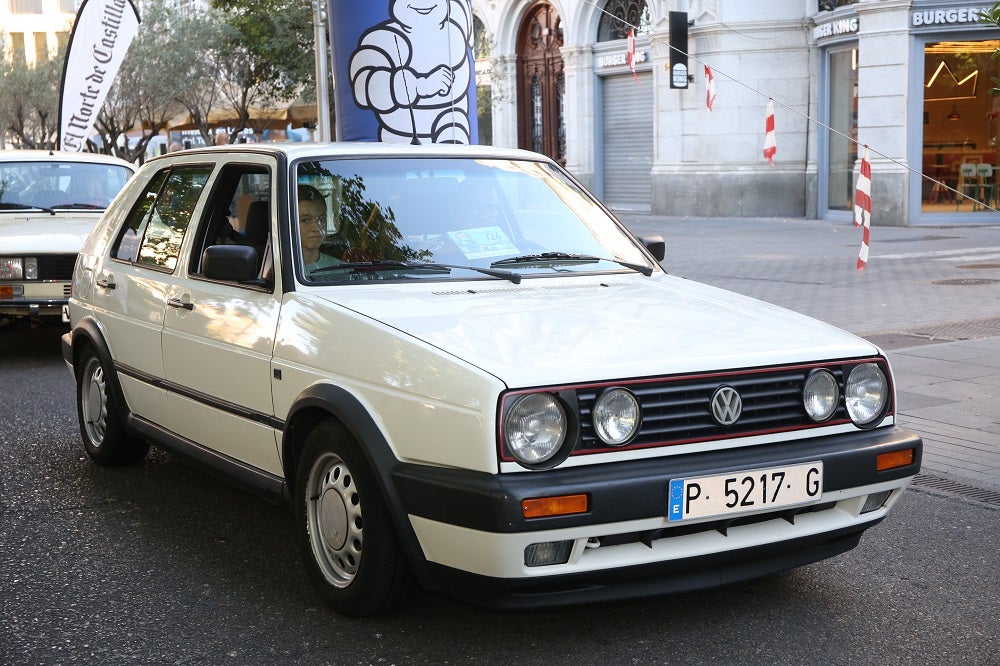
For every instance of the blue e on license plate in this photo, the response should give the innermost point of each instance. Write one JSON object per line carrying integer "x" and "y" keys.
{"x": 742, "y": 492}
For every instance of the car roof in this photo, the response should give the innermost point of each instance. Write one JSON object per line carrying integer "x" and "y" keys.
{"x": 62, "y": 156}
{"x": 335, "y": 149}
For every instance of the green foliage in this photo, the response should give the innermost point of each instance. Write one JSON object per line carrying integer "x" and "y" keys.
{"x": 991, "y": 17}
{"x": 29, "y": 101}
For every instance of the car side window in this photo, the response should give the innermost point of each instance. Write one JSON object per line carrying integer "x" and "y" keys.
{"x": 238, "y": 212}
{"x": 155, "y": 228}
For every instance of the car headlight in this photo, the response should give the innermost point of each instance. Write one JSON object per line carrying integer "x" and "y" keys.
{"x": 535, "y": 428}
{"x": 820, "y": 395}
{"x": 616, "y": 416}
{"x": 11, "y": 268}
{"x": 866, "y": 393}
{"x": 30, "y": 268}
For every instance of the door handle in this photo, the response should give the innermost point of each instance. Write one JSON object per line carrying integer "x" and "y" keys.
{"x": 104, "y": 283}
{"x": 178, "y": 303}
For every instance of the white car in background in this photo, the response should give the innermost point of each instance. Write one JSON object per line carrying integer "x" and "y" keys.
{"x": 460, "y": 370}
{"x": 49, "y": 203}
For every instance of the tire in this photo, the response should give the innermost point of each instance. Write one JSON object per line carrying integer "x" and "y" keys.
{"x": 348, "y": 542}
{"x": 101, "y": 426}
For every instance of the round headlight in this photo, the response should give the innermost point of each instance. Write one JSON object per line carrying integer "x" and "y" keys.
{"x": 535, "y": 428}
{"x": 866, "y": 393}
{"x": 820, "y": 395}
{"x": 616, "y": 416}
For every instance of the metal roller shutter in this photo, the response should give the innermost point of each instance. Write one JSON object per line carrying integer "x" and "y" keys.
{"x": 628, "y": 141}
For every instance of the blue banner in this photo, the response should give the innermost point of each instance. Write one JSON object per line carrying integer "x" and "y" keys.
{"x": 404, "y": 73}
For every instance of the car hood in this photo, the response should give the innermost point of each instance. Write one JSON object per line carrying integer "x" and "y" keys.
{"x": 583, "y": 329}
{"x": 41, "y": 233}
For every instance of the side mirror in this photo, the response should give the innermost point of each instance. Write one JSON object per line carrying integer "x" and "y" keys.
{"x": 656, "y": 246}
{"x": 232, "y": 263}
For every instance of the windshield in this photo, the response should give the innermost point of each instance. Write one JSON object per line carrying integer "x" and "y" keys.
{"x": 364, "y": 219}
{"x": 56, "y": 184}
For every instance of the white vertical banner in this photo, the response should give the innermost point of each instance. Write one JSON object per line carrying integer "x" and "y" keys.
{"x": 103, "y": 31}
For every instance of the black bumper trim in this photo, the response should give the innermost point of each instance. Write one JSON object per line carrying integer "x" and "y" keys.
{"x": 637, "y": 489}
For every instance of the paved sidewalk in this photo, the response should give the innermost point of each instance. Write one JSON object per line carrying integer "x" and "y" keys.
{"x": 929, "y": 296}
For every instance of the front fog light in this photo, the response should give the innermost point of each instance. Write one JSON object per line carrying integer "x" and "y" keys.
{"x": 875, "y": 501}
{"x": 616, "y": 416}
{"x": 547, "y": 553}
{"x": 866, "y": 393}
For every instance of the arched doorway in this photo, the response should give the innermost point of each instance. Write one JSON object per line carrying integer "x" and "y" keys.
{"x": 541, "y": 83}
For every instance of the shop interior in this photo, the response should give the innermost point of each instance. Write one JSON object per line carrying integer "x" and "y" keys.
{"x": 960, "y": 126}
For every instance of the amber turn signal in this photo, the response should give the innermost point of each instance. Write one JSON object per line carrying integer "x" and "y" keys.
{"x": 894, "y": 459}
{"x": 562, "y": 505}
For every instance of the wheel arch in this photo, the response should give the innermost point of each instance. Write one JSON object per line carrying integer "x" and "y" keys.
{"x": 88, "y": 333}
{"x": 322, "y": 401}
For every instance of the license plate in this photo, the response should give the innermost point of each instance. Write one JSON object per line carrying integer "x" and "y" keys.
{"x": 745, "y": 491}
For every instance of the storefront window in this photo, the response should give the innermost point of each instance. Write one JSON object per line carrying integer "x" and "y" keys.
{"x": 960, "y": 122}
{"x": 843, "y": 151}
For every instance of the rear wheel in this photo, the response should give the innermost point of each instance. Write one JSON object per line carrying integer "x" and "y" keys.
{"x": 101, "y": 426}
{"x": 346, "y": 534}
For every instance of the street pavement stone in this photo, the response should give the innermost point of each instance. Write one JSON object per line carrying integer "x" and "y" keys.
{"x": 930, "y": 296}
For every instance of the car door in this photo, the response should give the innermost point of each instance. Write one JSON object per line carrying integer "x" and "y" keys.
{"x": 218, "y": 334}
{"x": 129, "y": 285}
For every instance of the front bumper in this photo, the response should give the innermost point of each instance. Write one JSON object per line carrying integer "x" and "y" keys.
{"x": 33, "y": 299}
{"x": 472, "y": 536}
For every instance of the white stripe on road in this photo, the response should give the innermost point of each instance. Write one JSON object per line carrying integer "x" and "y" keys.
{"x": 947, "y": 253}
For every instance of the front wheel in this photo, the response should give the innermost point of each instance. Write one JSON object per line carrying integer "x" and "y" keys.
{"x": 101, "y": 427}
{"x": 346, "y": 534}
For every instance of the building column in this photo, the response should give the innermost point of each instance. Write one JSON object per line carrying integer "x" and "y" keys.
{"x": 503, "y": 75}
{"x": 883, "y": 85}
{"x": 579, "y": 108}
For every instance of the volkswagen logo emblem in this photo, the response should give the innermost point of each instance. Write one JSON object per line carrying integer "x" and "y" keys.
{"x": 727, "y": 405}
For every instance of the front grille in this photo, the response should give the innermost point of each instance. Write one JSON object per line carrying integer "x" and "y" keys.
{"x": 56, "y": 266}
{"x": 678, "y": 410}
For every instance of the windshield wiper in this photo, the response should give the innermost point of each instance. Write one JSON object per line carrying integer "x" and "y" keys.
{"x": 556, "y": 257}
{"x": 81, "y": 206}
{"x": 417, "y": 265}
{"x": 20, "y": 206}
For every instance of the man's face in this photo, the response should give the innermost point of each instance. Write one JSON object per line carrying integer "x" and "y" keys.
{"x": 312, "y": 224}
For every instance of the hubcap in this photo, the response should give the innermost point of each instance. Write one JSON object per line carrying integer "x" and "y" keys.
{"x": 333, "y": 512}
{"x": 94, "y": 403}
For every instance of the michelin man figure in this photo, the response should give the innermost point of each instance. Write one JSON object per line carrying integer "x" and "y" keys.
{"x": 413, "y": 71}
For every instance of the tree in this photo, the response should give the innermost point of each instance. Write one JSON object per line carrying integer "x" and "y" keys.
{"x": 29, "y": 101}
{"x": 159, "y": 78}
{"x": 268, "y": 56}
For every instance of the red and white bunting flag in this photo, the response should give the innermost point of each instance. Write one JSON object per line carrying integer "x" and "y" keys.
{"x": 630, "y": 54}
{"x": 863, "y": 207}
{"x": 709, "y": 88}
{"x": 770, "y": 147}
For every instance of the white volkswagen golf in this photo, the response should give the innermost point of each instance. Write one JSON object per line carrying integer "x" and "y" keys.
{"x": 462, "y": 373}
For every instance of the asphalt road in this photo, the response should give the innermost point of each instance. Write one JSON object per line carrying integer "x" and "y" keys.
{"x": 161, "y": 564}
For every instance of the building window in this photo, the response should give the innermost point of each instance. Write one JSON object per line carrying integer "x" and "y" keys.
{"x": 67, "y": 6}
{"x": 480, "y": 39}
{"x": 621, "y": 15}
{"x": 843, "y": 151}
{"x": 961, "y": 125}
{"x": 17, "y": 47}
{"x": 25, "y": 6}
{"x": 41, "y": 48}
